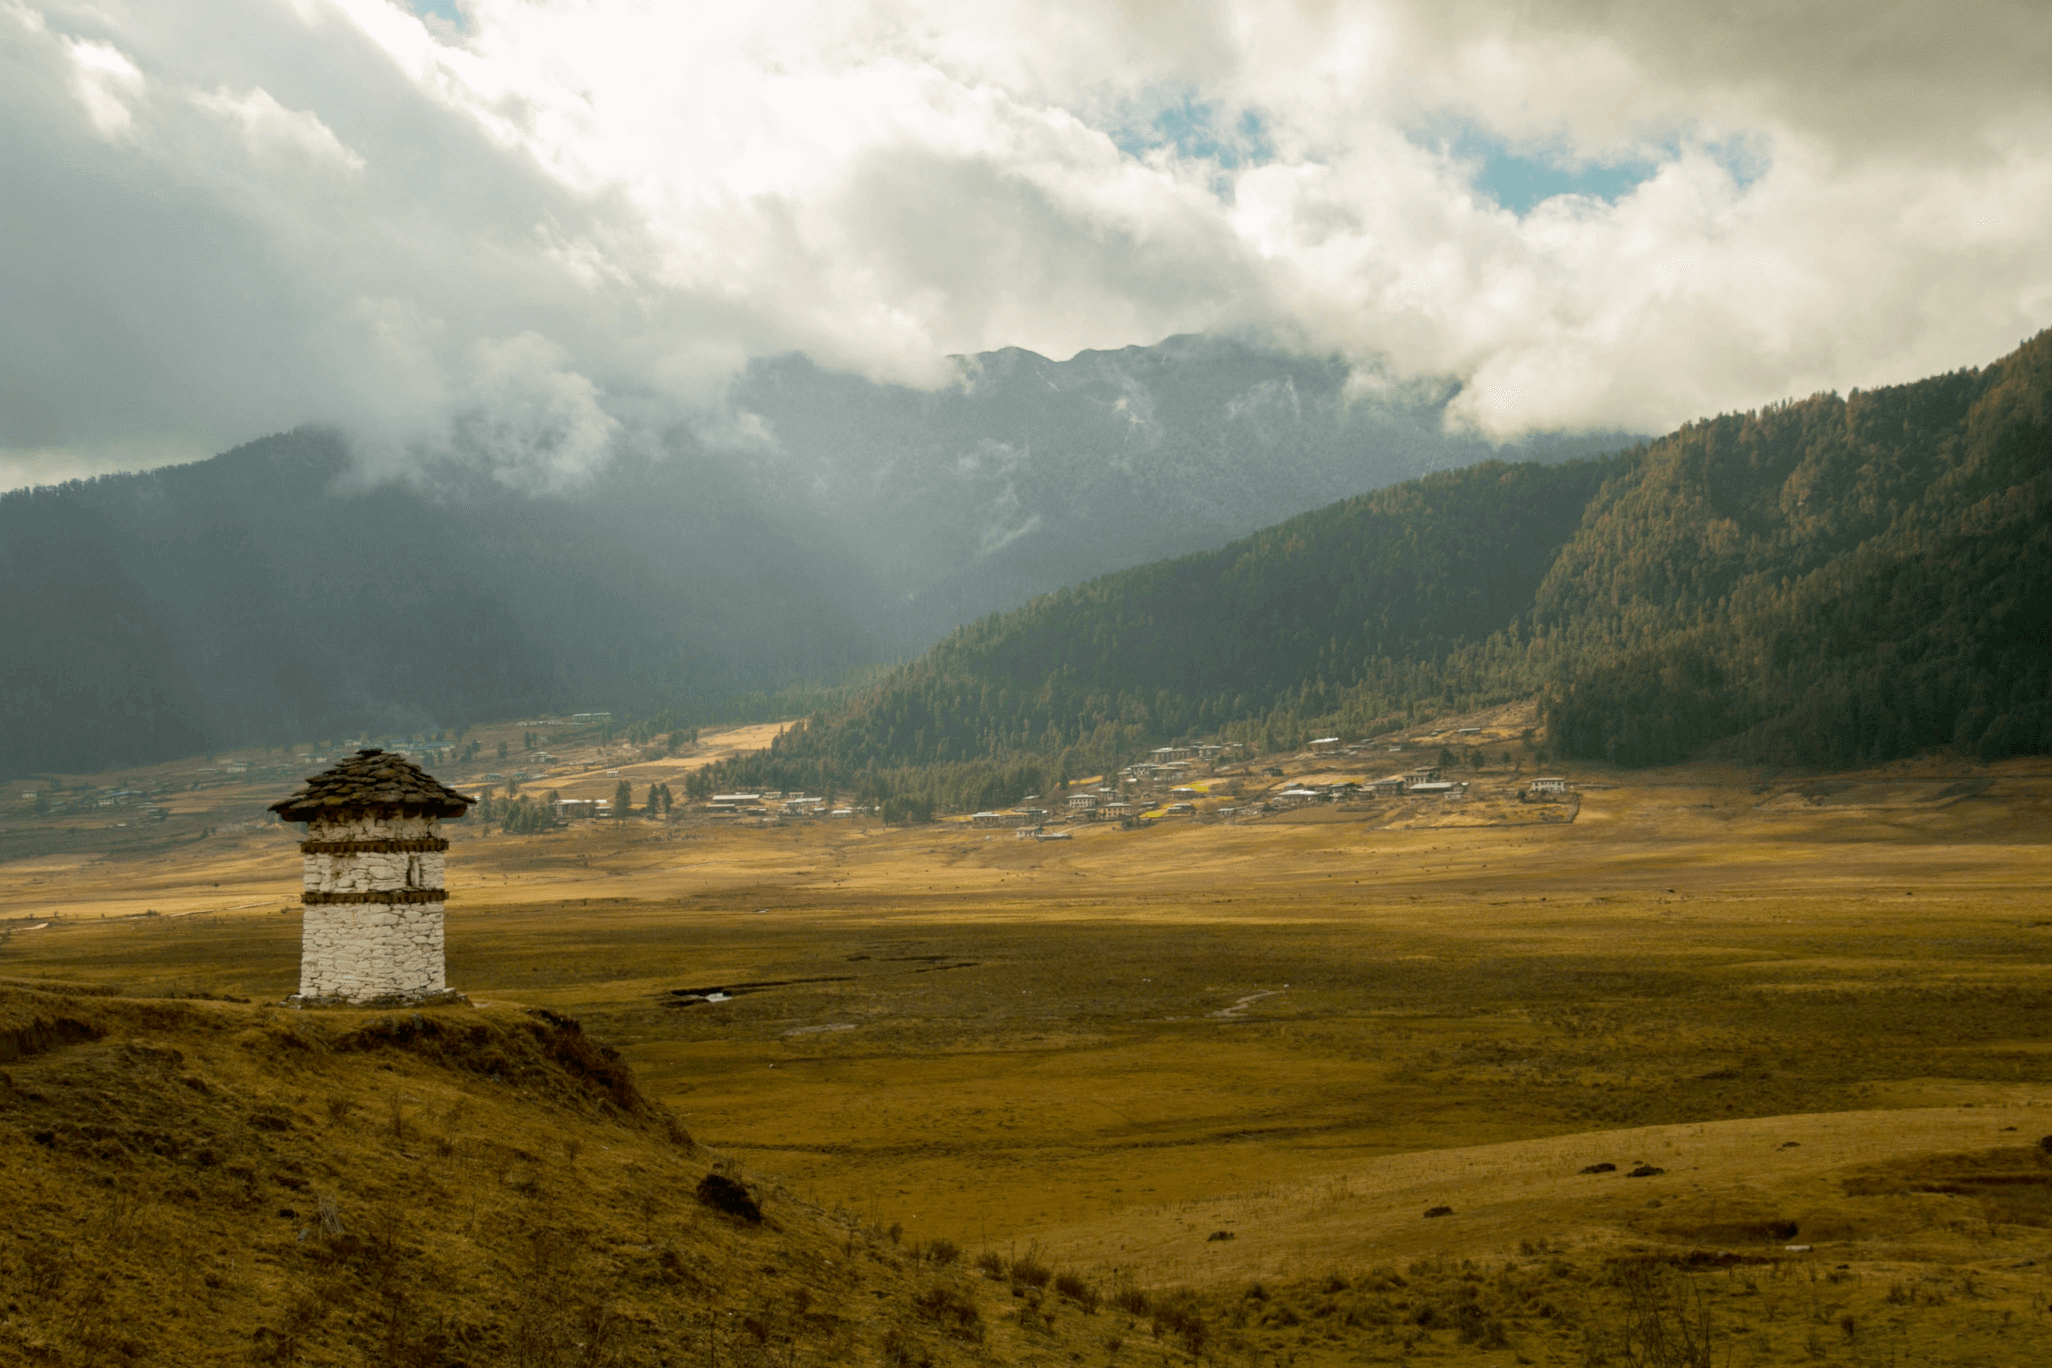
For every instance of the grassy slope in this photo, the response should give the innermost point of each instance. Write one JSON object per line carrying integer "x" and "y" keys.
{"x": 205, "y": 1182}
{"x": 196, "y": 1183}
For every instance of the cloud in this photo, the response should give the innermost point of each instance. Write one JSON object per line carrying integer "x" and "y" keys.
{"x": 533, "y": 234}
{"x": 104, "y": 81}
{"x": 277, "y": 134}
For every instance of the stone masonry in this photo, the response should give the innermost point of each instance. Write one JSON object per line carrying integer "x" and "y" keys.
{"x": 372, "y": 882}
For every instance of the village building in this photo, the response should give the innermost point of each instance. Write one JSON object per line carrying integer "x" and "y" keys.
{"x": 1424, "y": 774}
{"x": 1552, "y": 784}
{"x": 1013, "y": 817}
{"x": 372, "y": 879}
{"x": 1325, "y": 745}
{"x": 1164, "y": 754}
{"x": 1083, "y": 802}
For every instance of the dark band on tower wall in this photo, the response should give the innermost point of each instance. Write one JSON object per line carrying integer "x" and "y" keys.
{"x": 389, "y": 895}
{"x": 384, "y": 845}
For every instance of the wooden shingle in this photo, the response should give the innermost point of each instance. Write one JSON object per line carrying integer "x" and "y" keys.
{"x": 373, "y": 781}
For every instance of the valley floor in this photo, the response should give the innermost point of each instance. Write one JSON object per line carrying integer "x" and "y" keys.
{"x": 1794, "y": 999}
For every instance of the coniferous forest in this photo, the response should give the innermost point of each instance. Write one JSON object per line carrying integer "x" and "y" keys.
{"x": 1831, "y": 581}
{"x": 285, "y": 590}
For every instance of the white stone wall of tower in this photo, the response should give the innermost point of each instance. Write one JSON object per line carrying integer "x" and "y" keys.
{"x": 372, "y": 949}
{"x": 360, "y": 826}
{"x": 381, "y": 871}
{"x": 359, "y": 951}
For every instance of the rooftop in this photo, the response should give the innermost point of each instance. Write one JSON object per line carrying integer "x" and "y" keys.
{"x": 372, "y": 779}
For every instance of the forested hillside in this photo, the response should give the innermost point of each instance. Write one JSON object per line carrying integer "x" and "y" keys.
{"x": 1830, "y": 581}
{"x": 1362, "y": 600}
{"x": 1833, "y": 581}
{"x": 275, "y": 593}
{"x": 260, "y": 597}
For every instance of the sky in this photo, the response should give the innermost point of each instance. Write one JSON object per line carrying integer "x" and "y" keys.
{"x": 536, "y": 232}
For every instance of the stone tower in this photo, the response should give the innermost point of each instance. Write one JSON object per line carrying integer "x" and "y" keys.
{"x": 372, "y": 925}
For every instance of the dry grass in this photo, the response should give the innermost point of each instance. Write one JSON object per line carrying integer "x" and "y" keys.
{"x": 1015, "y": 1047}
{"x": 206, "y": 1183}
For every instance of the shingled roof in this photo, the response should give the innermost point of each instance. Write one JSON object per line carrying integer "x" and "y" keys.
{"x": 372, "y": 779}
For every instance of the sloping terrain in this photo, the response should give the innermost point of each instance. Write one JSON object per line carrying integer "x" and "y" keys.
{"x": 1829, "y": 582}
{"x": 197, "y": 1182}
{"x": 276, "y": 593}
{"x": 1834, "y": 582}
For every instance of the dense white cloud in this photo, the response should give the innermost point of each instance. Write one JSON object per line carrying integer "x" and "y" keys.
{"x": 556, "y": 226}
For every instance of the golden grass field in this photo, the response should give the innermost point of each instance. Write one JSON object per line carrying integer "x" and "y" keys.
{"x": 1796, "y": 996}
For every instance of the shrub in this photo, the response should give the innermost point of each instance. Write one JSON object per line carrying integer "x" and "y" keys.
{"x": 1130, "y": 1300}
{"x": 1179, "y": 1316}
{"x": 942, "y": 1251}
{"x": 1078, "y": 1291}
{"x": 952, "y": 1311}
{"x": 1031, "y": 1272}
{"x": 991, "y": 1264}
{"x": 724, "y": 1194}
{"x": 1666, "y": 1319}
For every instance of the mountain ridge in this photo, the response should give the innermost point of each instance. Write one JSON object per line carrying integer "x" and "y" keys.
{"x": 274, "y": 593}
{"x": 1824, "y": 581}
